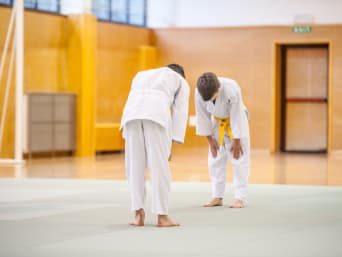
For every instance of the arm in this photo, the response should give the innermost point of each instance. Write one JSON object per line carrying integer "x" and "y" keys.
{"x": 203, "y": 117}
{"x": 180, "y": 109}
{"x": 203, "y": 124}
{"x": 239, "y": 123}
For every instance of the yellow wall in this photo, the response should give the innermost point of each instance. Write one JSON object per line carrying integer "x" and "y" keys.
{"x": 8, "y": 135}
{"x": 247, "y": 54}
{"x": 82, "y": 78}
{"x": 118, "y": 60}
{"x": 121, "y": 52}
{"x": 77, "y": 54}
{"x": 45, "y": 61}
{"x": 54, "y": 62}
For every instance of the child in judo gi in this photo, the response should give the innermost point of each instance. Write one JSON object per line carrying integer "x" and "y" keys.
{"x": 155, "y": 115}
{"x": 222, "y": 117}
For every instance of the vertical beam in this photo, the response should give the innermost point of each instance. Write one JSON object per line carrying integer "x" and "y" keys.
{"x": 276, "y": 99}
{"x": 19, "y": 37}
{"x": 330, "y": 97}
{"x": 145, "y": 13}
{"x": 110, "y": 8}
{"x": 58, "y": 7}
{"x": 82, "y": 47}
{"x": 128, "y": 10}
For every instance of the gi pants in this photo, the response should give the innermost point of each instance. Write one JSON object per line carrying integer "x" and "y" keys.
{"x": 218, "y": 167}
{"x": 148, "y": 144}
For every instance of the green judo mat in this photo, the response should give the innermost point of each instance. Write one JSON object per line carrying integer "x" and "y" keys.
{"x": 54, "y": 217}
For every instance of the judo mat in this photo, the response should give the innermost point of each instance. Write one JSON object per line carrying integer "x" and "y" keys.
{"x": 57, "y": 217}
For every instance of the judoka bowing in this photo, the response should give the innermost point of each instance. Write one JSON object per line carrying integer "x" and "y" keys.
{"x": 155, "y": 116}
{"x": 222, "y": 117}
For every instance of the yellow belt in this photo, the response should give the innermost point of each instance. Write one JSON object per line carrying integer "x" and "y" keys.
{"x": 224, "y": 126}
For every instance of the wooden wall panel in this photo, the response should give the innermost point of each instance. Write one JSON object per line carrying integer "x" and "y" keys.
{"x": 247, "y": 54}
{"x": 118, "y": 60}
{"x": 82, "y": 59}
{"x": 336, "y": 91}
{"x": 306, "y": 126}
{"x": 45, "y": 61}
{"x": 45, "y": 52}
{"x": 307, "y": 73}
{"x": 50, "y": 66}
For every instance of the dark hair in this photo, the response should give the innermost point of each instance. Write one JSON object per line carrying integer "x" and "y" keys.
{"x": 207, "y": 85}
{"x": 177, "y": 68}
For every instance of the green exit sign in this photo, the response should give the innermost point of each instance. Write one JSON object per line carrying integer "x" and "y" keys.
{"x": 302, "y": 29}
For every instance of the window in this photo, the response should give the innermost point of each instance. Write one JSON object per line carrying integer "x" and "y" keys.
{"x": 44, "y": 5}
{"x": 119, "y": 11}
{"x": 48, "y": 5}
{"x": 137, "y": 12}
{"x": 6, "y": 2}
{"x": 32, "y": 4}
{"x": 122, "y": 11}
{"x": 101, "y": 8}
{"x": 132, "y": 12}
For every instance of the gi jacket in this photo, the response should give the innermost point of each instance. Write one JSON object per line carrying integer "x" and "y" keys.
{"x": 160, "y": 95}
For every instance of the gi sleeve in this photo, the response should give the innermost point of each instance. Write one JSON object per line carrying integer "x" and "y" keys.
{"x": 203, "y": 117}
{"x": 238, "y": 116}
{"x": 180, "y": 109}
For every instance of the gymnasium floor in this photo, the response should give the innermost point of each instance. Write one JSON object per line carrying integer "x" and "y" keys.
{"x": 190, "y": 165}
{"x": 80, "y": 207}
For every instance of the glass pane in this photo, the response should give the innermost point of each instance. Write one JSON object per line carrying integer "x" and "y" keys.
{"x": 101, "y": 9}
{"x": 48, "y": 5}
{"x": 306, "y": 126}
{"x": 30, "y": 3}
{"x": 307, "y": 72}
{"x": 5, "y": 2}
{"x": 119, "y": 11}
{"x": 137, "y": 12}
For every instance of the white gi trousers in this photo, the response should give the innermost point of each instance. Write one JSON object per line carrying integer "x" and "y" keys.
{"x": 218, "y": 166}
{"x": 148, "y": 144}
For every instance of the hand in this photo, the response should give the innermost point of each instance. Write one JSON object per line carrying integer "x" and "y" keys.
{"x": 236, "y": 149}
{"x": 213, "y": 146}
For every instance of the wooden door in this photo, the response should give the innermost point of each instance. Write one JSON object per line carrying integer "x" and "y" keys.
{"x": 304, "y": 98}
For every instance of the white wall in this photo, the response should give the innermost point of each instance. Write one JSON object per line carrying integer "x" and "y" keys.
{"x": 71, "y": 7}
{"x": 161, "y": 13}
{"x": 216, "y": 13}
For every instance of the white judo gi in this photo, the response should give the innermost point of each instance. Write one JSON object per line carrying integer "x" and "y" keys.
{"x": 228, "y": 104}
{"x": 155, "y": 114}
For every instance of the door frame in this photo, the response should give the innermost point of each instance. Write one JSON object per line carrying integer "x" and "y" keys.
{"x": 277, "y": 90}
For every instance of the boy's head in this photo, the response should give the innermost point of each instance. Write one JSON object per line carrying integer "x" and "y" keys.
{"x": 177, "y": 68}
{"x": 208, "y": 85}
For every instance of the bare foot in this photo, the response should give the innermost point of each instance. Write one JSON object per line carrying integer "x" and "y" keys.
{"x": 214, "y": 202}
{"x": 139, "y": 218}
{"x": 166, "y": 221}
{"x": 237, "y": 204}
